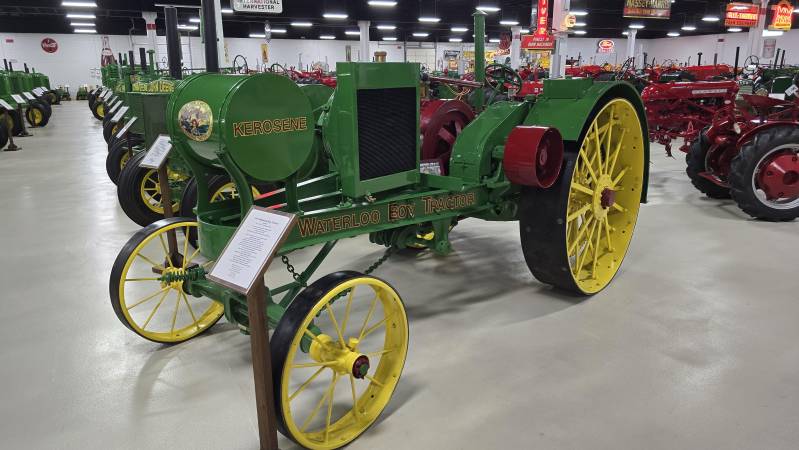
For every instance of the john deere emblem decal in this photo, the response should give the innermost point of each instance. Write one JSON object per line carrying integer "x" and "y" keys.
{"x": 196, "y": 120}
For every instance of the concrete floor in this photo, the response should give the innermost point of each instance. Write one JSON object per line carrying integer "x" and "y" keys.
{"x": 691, "y": 347}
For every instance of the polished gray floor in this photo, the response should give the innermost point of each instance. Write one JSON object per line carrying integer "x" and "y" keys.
{"x": 694, "y": 345}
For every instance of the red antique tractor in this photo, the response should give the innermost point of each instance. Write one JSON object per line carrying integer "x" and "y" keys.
{"x": 751, "y": 153}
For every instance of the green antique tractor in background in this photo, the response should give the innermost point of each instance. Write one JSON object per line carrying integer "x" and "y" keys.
{"x": 570, "y": 165}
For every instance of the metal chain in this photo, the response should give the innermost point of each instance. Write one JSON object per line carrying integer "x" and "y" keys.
{"x": 389, "y": 251}
{"x": 290, "y": 268}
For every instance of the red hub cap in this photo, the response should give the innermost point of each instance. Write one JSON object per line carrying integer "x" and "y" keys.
{"x": 779, "y": 176}
{"x": 608, "y": 198}
{"x": 361, "y": 367}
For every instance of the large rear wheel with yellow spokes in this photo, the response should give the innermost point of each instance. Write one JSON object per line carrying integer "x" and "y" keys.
{"x": 575, "y": 234}
{"x": 139, "y": 191}
{"x": 338, "y": 352}
{"x": 146, "y": 293}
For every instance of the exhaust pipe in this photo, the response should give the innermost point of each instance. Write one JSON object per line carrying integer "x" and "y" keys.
{"x": 26, "y": 68}
{"x": 735, "y": 68}
{"x": 5, "y": 63}
{"x": 699, "y": 59}
{"x": 131, "y": 59}
{"x": 143, "y": 59}
{"x": 173, "y": 43}
{"x": 209, "y": 33}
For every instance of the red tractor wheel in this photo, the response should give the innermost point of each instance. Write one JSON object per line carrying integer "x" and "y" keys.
{"x": 764, "y": 177}
{"x": 703, "y": 170}
{"x": 441, "y": 123}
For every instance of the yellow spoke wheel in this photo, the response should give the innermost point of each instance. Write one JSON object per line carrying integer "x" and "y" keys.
{"x": 575, "y": 235}
{"x": 338, "y": 353}
{"x": 100, "y": 110}
{"x": 157, "y": 310}
{"x": 150, "y": 191}
{"x": 228, "y": 191}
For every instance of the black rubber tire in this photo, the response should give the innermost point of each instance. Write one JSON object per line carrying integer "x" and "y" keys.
{"x": 744, "y": 165}
{"x": 95, "y": 113}
{"x": 18, "y": 124}
{"x": 108, "y": 130}
{"x": 128, "y": 192}
{"x": 3, "y": 137}
{"x": 542, "y": 232}
{"x": 113, "y": 161}
{"x": 119, "y": 266}
{"x": 695, "y": 164}
{"x": 55, "y": 99}
{"x": 286, "y": 329}
{"x": 36, "y": 106}
{"x": 46, "y": 106}
{"x": 135, "y": 139}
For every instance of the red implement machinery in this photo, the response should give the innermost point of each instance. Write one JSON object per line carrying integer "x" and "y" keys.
{"x": 751, "y": 153}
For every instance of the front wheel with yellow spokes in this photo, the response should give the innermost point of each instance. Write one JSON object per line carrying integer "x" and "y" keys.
{"x": 575, "y": 234}
{"x": 337, "y": 352}
{"x": 146, "y": 288}
{"x": 139, "y": 191}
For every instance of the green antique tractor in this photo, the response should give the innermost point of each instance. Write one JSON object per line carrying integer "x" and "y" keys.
{"x": 570, "y": 165}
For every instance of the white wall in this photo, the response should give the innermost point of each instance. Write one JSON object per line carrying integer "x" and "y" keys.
{"x": 78, "y": 54}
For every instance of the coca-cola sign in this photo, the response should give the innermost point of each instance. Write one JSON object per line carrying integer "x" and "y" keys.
{"x": 49, "y": 45}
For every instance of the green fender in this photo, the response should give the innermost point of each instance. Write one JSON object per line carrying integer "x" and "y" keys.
{"x": 569, "y": 105}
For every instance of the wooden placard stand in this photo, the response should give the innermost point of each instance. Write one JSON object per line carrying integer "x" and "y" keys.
{"x": 125, "y": 131}
{"x": 259, "y": 327}
{"x": 158, "y": 162}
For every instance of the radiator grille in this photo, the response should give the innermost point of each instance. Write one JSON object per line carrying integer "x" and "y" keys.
{"x": 386, "y": 131}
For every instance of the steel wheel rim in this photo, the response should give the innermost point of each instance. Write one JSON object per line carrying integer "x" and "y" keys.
{"x": 760, "y": 194}
{"x": 142, "y": 257}
{"x": 101, "y": 110}
{"x": 228, "y": 191}
{"x": 376, "y": 387}
{"x": 150, "y": 192}
{"x": 604, "y": 196}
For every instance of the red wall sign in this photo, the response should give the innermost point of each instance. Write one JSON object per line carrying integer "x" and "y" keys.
{"x": 541, "y": 39}
{"x": 647, "y": 9}
{"x": 49, "y": 45}
{"x": 542, "y": 18}
{"x": 741, "y": 15}
{"x": 782, "y": 15}
{"x": 605, "y": 46}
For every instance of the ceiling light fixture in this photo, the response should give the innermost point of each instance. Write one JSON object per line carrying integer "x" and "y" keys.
{"x": 456, "y": 39}
{"x": 459, "y": 29}
{"x": 494, "y": 41}
{"x": 194, "y": 20}
{"x": 487, "y": 9}
{"x": 578, "y": 12}
{"x": 257, "y": 35}
{"x": 421, "y": 34}
{"x": 81, "y": 16}
{"x": 580, "y": 24}
{"x": 278, "y": 30}
{"x": 301, "y": 24}
{"x": 637, "y": 26}
{"x": 688, "y": 27}
{"x": 771, "y": 33}
{"x": 327, "y": 37}
{"x": 389, "y": 38}
{"x": 710, "y": 18}
{"x": 509, "y": 22}
{"x": 672, "y": 34}
{"x": 335, "y": 15}
{"x": 81, "y": 24}
{"x": 226, "y": 11}
{"x": 187, "y": 27}
{"x": 386, "y": 27}
{"x": 383, "y": 3}
{"x": 80, "y": 4}
{"x": 429, "y": 19}
{"x": 734, "y": 30}
{"x": 626, "y": 33}
{"x": 352, "y": 33}
{"x": 580, "y": 31}
{"x": 84, "y": 30}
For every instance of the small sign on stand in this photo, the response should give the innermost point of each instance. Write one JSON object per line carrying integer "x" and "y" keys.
{"x": 241, "y": 267}
{"x": 156, "y": 159}
{"x": 29, "y": 96}
{"x": 118, "y": 116}
{"x": 18, "y": 98}
{"x": 124, "y": 130}
{"x": 114, "y": 107}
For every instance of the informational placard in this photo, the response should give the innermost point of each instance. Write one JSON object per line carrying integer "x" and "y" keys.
{"x": 252, "y": 247}
{"x": 38, "y": 91}
{"x": 5, "y": 105}
{"x": 258, "y": 6}
{"x": 157, "y": 153}
{"x": 29, "y": 96}
{"x": 647, "y": 9}
{"x": 118, "y": 116}
{"x": 107, "y": 94}
{"x": 114, "y": 107}
{"x": 741, "y": 14}
{"x": 792, "y": 90}
{"x": 125, "y": 129}
{"x": 18, "y": 98}
{"x": 769, "y": 48}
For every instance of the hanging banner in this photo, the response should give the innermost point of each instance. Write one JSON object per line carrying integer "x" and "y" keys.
{"x": 542, "y": 19}
{"x": 605, "y": 46}
{"x": 541, "y": 39}
{"x": 781, "y": 16}
{"x": 265, "y": 53}
{"x": 647, "y": 9}
{"x": 741, "y": 15}
{"x": 258, "y": 6}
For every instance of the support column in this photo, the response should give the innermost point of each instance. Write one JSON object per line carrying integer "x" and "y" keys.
{"x": 210, "y": 34}
{"x": 149, "y": 21}
{"x": 755, "y": 35}
{"x": 220, "y": 36}
{"x": 631, "y": 42}
{"x": 515, "y": 46}
{"x": 363, "y": 26}
{"x": 559, "y": 10}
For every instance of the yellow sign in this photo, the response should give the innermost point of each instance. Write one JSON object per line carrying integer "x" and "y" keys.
{"x": 265, "y": 52}
{"x": 569, "y": 21}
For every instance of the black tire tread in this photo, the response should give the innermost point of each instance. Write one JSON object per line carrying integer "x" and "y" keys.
{"x": 695, "y": 164}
